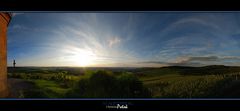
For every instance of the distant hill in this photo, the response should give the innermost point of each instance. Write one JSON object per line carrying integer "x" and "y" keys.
{"x": 183, "y": 70}
{"x": 212, "y": 69}
{"x": 187, "y": 70}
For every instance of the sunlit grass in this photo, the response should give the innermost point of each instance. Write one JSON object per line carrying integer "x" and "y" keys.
{"x": 51, "y": 88}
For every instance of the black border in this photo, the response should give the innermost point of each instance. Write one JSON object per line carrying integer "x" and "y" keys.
{"x": 115, "y": 6}
{"x": 150, "y": 105}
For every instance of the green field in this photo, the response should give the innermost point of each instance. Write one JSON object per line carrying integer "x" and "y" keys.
{"x": 166, "y": 82}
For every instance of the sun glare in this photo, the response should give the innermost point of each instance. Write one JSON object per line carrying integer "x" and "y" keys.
{"x": 84, "y": 58}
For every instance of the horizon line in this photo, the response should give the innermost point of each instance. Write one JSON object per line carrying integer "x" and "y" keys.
{"x": 128, "y": 67}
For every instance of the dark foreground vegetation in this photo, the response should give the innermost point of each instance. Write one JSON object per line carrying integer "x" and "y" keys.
{"x": 166, "y": 82}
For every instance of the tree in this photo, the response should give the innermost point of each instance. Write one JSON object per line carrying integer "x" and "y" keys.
{"x": 103, "y": 84}
{"x": 131, "y": 87}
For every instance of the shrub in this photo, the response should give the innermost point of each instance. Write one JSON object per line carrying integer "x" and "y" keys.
{"x": 131, "y": 86}
{"x": 103, "y": 84}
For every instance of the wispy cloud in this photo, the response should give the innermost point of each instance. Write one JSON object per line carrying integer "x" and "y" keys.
{"x": 17, "y": 27}
{"x": 72, "y": 40}
{"x": 23, "y": 28}
{"x": 207, "y": 59}
{"x": 126, "y": 39}
{"x": 192, "y": 59}
{"x": 114, "y": 41}
{"x": 195, "y": 61}
{"x": 197, "y": 20}
{"x": 161, "y": 64}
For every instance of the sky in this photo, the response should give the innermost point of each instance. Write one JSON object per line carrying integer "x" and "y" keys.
{"x": 152, "y": 39}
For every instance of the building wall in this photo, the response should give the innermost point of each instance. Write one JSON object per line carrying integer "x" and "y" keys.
{"x": 4, "y": 20}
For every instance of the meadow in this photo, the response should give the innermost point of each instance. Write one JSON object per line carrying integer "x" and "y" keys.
{"x": 165, "y": 82}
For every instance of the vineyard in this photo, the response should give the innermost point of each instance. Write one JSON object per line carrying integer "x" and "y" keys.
{"x": 190, "y": 87}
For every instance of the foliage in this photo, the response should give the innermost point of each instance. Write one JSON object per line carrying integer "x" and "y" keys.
{"x": 131, "y": 86}
{"x": 60, "y": 76}
{"x": 103, "y": 84}
{"x": 44, "y": 89}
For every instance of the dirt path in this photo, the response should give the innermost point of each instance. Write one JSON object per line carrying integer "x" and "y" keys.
{"x": 18, "y": 85}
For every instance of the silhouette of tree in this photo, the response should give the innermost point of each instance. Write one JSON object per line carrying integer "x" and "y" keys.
{"x": 103, "y": 84}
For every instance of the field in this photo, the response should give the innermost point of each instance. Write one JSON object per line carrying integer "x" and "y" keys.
{"x": 165, "y": 82}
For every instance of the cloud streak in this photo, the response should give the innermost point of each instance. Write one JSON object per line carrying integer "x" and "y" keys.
{"x": 126, "y": 39}
{"x": 193, "y": 61}
{"x": 114, "y": 41}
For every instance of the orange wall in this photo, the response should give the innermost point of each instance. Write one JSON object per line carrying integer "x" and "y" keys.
{"x": 4, "y": 20}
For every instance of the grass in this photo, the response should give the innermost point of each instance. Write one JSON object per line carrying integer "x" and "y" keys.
{"x": 187, "y": 86}
{"x": 168, "y": 78}
{"x": 51, "y": 89}
{"x": 157, "y": 84}
{"x": 153, "y": 72}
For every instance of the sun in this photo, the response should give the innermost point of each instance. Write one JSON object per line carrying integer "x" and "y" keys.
{"x": 84, "y": 58}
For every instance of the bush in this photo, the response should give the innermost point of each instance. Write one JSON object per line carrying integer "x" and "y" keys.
{"x": 103, "y": 84}
{"x": 131, "y": 86}
{"x": 99, "y": 84}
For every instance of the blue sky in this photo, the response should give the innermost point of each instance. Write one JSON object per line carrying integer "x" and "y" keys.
{"x": 124, "y": 39}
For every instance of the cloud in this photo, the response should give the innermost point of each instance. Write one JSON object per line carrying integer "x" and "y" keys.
{"x": 73, "y": 39}
{"x": 198, "y": 21}
{"x": 17, "y": 27}
{"x": 161, "y": 64}
{"x": 231, "y": 58}
{"x": 208, "y": 60}
{"x": 23, "y": 28}
{"x": 196, "y": 61}
{"x": 191, "y": 59}
{"x": 114, "y": 41}
{"x": 179, "y": 40}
